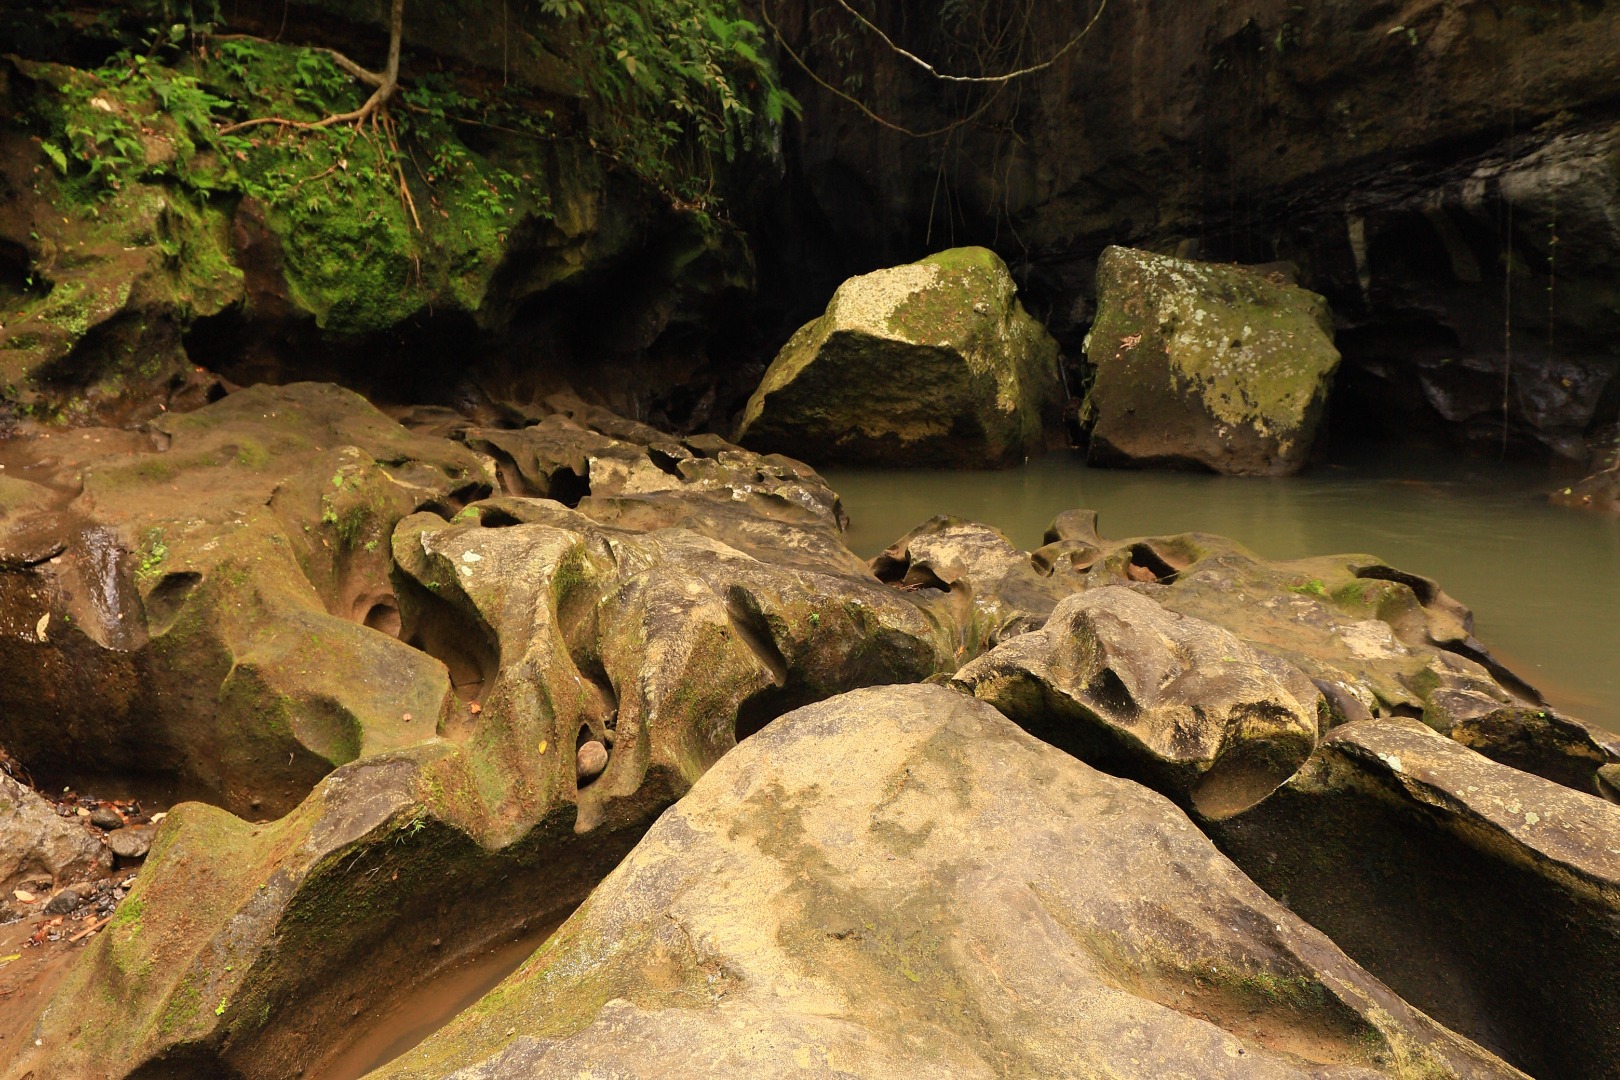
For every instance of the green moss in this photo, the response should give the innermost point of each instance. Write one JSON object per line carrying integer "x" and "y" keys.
{"x": 149, "y": 558}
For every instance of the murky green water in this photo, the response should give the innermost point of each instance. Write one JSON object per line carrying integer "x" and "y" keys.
{"x": 1544, "y": 583}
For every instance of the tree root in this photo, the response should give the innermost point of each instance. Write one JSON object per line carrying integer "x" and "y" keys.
{"x": 385, "y": 82}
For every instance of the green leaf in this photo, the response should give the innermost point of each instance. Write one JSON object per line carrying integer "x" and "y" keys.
{"x": 58, "y": 158}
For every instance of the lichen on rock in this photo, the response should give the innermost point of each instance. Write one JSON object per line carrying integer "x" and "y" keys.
{"x": 1205, "y": 366}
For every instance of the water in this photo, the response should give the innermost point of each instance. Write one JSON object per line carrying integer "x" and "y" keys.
{"x": 1544, "y": 583}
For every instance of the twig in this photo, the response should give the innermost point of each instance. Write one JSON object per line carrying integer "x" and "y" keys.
{"x": 87, "y": 931}
{"x": 1008, "y": 77}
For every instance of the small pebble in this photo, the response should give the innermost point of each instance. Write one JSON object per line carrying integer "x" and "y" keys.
{"x": 62, "y": 903}
{"x": 105, "y": 817}
{"x": 591, "y": 759}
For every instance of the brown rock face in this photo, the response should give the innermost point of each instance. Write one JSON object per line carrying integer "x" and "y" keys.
{"x": 900, "y": 882}
{"x": 1487, "y": 897}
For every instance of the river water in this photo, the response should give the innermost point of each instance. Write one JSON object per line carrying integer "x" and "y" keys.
{"x": 1544, "y": 583}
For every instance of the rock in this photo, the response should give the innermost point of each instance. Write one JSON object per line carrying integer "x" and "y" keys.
{"x": 1608, "y": 782}
{"x": 1205, "y": 366}
{"x": 974, "y": 579}
{"x": 1375, "y": 640}
{"x": 106, "y": 818}
{"x": 1487, "y": 897}
{"x": 899, "y": 882}
{"x": 551, "y": 624}
{"x": 132, "y": 842}
{"x": 589, "y": 761}
{"x": 36, "y": 843}
{"x": 633, "y": 477}
{"x": 930, "y": 364}
{"x": 216, "y": 608}
{"x": 554, "y": 622}
{"x": 63, "y": 903}
{"x": 1171, "y": 701}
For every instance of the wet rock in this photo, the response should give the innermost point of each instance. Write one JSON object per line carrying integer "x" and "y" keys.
{"x": 215, "y": 612}
{"x": 36, "y": 843}
{"x": 63, "y": 903}
{"x": 1205, "y": 366}
{"x": 1172, "y": 701}
{"x": 589, "y": 761}
{"x": 1487, "y": 897}
{"x": 930, "y": 364}
{"x": 106, "y": 818}
{"x": 901, "y": 882}
{"x": 132, "y": 842}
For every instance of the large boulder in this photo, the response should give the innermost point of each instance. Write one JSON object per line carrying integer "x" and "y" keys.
{"x": 594, "y": 671}
{"x": 901, "y": 882}
{"x": 935, "y": 363}
{"x": 1205, "y": 366}
{"x": 1485, "y": 896}
{"x": 1169, "y": 700}
{"x": 209, "y": 600}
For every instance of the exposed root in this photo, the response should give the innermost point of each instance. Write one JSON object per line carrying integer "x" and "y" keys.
{"x": 385, "y": 83}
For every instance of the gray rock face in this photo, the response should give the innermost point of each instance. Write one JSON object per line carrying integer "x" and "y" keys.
{"x": 930, "y": 364}
{"x": 1204, "y": 366}
{"x": 1487, "y": 897}
{"x": 36, "y": 843}
{"x": 900, "y": 882}
{"x": 1173, "y": 701}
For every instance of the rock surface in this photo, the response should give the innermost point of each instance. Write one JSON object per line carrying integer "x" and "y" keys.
{"x": 244, "y": 946}
{"x": 1485, "y": 896}
{"x": 935, "y": 364}
{"x": 205, "y": 601}
{"x": 1168, "y": 700}
{"x": 900, "y": 882}
{"x": 36, "y": 844}
{"x": 1205, "y": 366}
{"x": 1376, "y": 640}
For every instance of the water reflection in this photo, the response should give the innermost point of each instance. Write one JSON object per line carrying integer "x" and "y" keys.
{"x": 1544, "y": 583}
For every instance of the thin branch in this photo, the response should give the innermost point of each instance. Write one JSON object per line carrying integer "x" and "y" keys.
{"x": 1005, "y": 78}
{"x": 781, "y": 40}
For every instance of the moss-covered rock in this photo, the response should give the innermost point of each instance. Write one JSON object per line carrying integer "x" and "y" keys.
{"x": 1487, "y": 897}
{"x": 1205, "y": 366}
{"x": 109, "y": 282}
{"x": 900, "y": 882}
{"x": 211, "y": 602}
{"x": 931, "y": 364}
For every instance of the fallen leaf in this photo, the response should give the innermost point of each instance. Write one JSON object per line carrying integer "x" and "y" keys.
{"x": 9, "y": 959}
{"x": 39, "y": 627}
{"x": 23, "y": 896}
{"x": 543, "y": 745}
{"x": 474, "y": 708}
